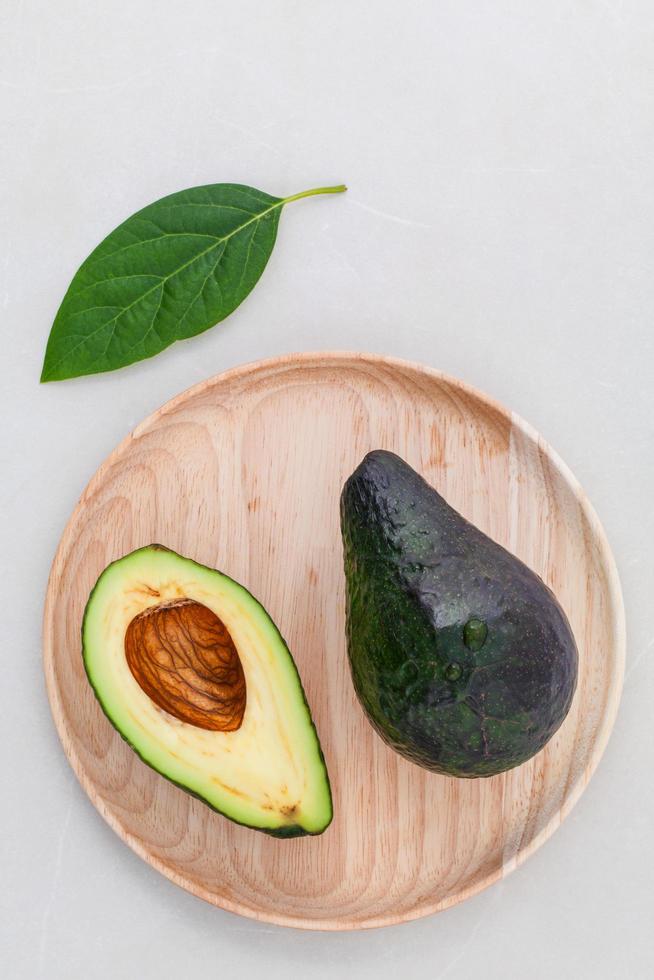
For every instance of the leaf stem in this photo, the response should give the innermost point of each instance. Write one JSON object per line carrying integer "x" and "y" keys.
{"x": 338, "y": 189}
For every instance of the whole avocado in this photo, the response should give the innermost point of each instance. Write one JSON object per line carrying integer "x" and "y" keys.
{"x": 461, "y": 656}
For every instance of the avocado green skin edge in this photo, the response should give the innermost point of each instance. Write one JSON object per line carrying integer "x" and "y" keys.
{"x": 290, "y": 831}
{"x": 416, "y": 572}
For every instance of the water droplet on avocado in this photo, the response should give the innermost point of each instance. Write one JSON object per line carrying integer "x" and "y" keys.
{"x": 390, "y": 707}
{"x": 407, "y": 672}
{"x": 414, "y": 693}
{"x": 475, "y": 632}
{"x": 385, "y": 703}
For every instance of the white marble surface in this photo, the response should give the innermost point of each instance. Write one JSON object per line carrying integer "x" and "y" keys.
{"x": 498, "y": 225}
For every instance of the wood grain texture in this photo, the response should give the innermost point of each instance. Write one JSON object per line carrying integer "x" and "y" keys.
{"x": 243, "y": 473}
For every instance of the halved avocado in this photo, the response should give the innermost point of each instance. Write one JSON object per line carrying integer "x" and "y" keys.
{"x": 192, "y": 672}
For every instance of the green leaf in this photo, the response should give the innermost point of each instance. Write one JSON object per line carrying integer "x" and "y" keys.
{"x": 169, "y": 272}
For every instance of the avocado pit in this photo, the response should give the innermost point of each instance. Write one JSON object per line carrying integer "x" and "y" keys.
{"x": 183, "y": 657}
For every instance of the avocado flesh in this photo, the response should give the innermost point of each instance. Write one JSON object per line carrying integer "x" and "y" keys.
{"x": 461, "y": 656}
{"x": 269, "y": 774}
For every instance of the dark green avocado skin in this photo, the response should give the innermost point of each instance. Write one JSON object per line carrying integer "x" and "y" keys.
{"x": 416, "y": 573}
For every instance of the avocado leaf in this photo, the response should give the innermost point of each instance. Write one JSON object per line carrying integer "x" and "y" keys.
{"x": 169, "y": 272}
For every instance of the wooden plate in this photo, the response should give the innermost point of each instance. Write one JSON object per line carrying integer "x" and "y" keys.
{"x": 243, "y": 473}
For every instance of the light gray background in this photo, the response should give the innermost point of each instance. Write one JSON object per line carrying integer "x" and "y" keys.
{"x": 499, "y": 225}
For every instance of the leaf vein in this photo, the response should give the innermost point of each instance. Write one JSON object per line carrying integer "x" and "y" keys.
{"x": 201, "y": 289}
{"x": 151, "y": 327}
{"x": 157, "y": 238}
{"x": 101, "y": 282}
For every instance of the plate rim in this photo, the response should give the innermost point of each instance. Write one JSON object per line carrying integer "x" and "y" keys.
{"x": 341, "y": 357}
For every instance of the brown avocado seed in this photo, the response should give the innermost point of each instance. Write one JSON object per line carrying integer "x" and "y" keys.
{"x": 184, "y": 659}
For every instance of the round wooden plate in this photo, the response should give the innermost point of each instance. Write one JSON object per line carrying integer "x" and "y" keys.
{"x": 243, "y": 473}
